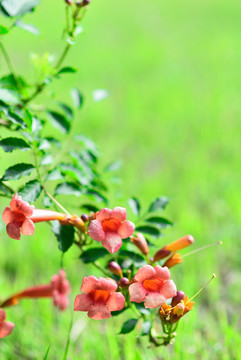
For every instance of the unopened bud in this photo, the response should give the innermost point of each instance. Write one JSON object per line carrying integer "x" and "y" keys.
{"x": 85, "y": 217}
{"x": 161, "y": 254}
{"x": 180, "y": 243}
{"x": 69, "y": 2}
{"x": 173, "y": 260}
{"x": 124, "y": 282}
{"x": 82, "y": 3}
{"x": 141, "y": 243}
{"x": 115, "y": 268}
{"x": 178, "y": 298}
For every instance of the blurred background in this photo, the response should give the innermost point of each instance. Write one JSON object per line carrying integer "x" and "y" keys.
{"x": 172, "y": 70}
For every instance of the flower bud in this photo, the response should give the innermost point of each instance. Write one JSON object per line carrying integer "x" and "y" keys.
{"x": 69, "y": 2}
{"x": 141, "y": 243}
{"x": 124, "y": 282}
{"x": 178, "y": 298}
{"x": 85, "y": 217}
{"x": 115, "y": 268}
{"x": 180, "y": 243}
{"x": 173, "y": 260}
{"x": 161, "y": 254}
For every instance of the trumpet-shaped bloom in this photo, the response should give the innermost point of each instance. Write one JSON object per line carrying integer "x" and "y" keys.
{"x": 110, "y": 227}
{"x": 16, "y": 217}
{"x": 21, "y": 217}
{"x": 58, "y": 289}
{"x": 61, "y": 288}
{"x": 99, "y": 298}
{"x": 6, "y": 327}
{"x": 152, "y": 286}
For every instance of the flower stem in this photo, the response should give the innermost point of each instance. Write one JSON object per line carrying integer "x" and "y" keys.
{"x": 9, "y": 64}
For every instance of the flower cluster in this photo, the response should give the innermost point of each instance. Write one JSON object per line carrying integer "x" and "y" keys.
{"x": 149, "y": 284}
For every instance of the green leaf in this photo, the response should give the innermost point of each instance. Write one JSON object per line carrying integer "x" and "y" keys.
{"x": 46, "y": 160}
{"x": 132, "y": 257}
{"x": 67, "y": 109}
{"x": 141, "y": 307}
{"x": 3, "y": 30}
{"x": 17, "y": 171}
{"x": 146, "y": 327}
{"x": 27, "y": 27}
{"x": 4, "y": 189}
{"x": 10, "y": 144}
{"x": 97, "y": 196}
{"x": 64, "y": 234}
{"x": 47, "y": 352}
{"x": 68, "y": 188}
{"x": 87, "y": 144}
{"x": 77, "y": 98}
{"x": 47, "y": 201}
{"x": 161, "y": 222}
{"x": 54, "y": 175}
{"x": 18, "y": 7}
{"x": 128, "y": 326}
{"x": 116, "y": 313}
{"x": 67, "y": 69}
{"x": 59, "y": 121}
{"x": 31, "y": 191}
{"x": 90, "y": 207}
{"x": 9, "y": 96}
{"x": 16, "y": 119}
{"x": 114, "y": 166}
{"x": 74, "y": 173}
{"x": 93, "y": 254}
{"x": 149, "y": 229}
{"x": 158, "y": 204}
{"x": 100, "y": 94}
{"x": 135, "y": 205}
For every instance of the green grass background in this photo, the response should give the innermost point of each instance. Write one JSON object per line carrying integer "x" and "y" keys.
{"x": 173, "y": 117}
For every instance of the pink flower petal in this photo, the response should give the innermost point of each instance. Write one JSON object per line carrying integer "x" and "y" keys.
{"x": 89, "y": 284}
{"x": 126, "y": 229}
{"x": 137, "y": 292}
{"x": 154, "y": 299}
{"x": 83, "y": 302}
{"x": 112, "y": 242}
{"x": 168, "y": 289}
{"x": 104, "y": 214}
{"x": 96, "y": 231}
{"x": 13, "y": 230}
{"x": 6, "y": 328}
{"x": 145, "y": 273}
{"x": 162, "y": 272}
{"x": 28, "y": 227}
{"x": 13, "y": 202}
{"x": 99, "y": 311}
{"x": 107, "y": 284}
{"x": 19, "y": 205}
{"x": 119, "y": 213}
{"x": 116, "y": 302}
{"x": 63, "y": 302}
{"x": 8, "y": 215}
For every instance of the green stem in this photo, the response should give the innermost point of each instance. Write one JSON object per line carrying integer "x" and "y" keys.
{"x": 9, "y": 64}
{"x": 68, "y": 339}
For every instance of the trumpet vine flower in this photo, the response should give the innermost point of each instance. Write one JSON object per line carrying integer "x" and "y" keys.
{"x": 152, "y": 285}
{"x": 99, "y": 298}
{"x": 110, "y": 227}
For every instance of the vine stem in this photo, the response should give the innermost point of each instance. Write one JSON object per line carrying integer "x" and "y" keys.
{"x": 98, "y": 266}
{"x": 9, "y": 64}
